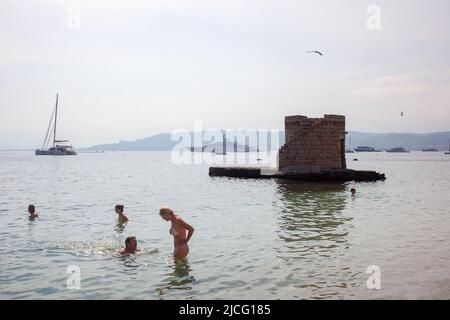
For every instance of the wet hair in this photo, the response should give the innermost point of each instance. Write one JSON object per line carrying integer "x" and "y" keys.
{"x": 352, "y": 190}
{"x": 165, "y": 210}
{"x": 31, "y": 207}
{"x": 128, "y": 241}
{"x": 119, "y": 206}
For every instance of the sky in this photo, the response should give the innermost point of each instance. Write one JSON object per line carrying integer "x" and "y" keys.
{"x": 126, "y": 70}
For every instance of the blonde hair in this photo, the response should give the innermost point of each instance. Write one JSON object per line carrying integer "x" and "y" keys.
{"x": 165, "y": 210}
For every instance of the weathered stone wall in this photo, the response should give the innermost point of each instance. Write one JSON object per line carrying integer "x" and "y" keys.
{"x": 313, "y": 142}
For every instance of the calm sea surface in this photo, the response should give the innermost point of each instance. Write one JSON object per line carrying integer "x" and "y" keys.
{"x": 254, "y": 239}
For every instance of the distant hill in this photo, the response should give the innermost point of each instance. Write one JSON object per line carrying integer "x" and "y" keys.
{"x": 159, "y": 142}
{"x": 163, "y": 142}
{"x": 381, "y": 141}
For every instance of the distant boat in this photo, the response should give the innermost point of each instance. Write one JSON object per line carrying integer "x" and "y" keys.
{"x": 399, "y": 149}
{"x": 364, "y": 149}
{"x": 57, "y": 149}
{"x": 430, "y": 150}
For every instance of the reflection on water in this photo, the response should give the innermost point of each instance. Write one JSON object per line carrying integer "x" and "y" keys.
{"x": 120, "y": 227}
{"x": 312, "y": 214}
{"x": 313, "y": 229}
{"x": 130, "y": 263}
{"x": 177, "y": 278}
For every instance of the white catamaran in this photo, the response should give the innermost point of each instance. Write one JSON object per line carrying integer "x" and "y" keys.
{"x": 57, "y": 149}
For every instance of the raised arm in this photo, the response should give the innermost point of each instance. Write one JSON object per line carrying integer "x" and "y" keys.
{"x": 188, "y": 227}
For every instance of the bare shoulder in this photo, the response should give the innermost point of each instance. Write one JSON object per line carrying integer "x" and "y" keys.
{"x": 183, "y": 223}
{"x": 180, "y": 220}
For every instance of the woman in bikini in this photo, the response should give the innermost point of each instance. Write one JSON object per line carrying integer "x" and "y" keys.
{"x": 178, "y": 231}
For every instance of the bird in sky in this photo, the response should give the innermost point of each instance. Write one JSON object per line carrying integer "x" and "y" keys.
{"x": 315, "y": 51}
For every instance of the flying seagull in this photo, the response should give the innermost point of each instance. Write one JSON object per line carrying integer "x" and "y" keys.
{"x": 315, "y": 51}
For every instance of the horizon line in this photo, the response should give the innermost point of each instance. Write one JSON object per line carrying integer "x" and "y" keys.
{"x": 161, "y": 133}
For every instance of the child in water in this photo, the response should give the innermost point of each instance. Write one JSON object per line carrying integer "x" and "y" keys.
{"x": 119, "y": 210}
{"x": 32, "y": 212}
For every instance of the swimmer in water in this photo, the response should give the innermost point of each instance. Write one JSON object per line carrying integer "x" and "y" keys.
{"x": 32, "y": 212}
{"x": 353, "y": 191}
{"x": 119, "y": 210}
{"x": 130, "y": 246}
{"x": 178, "y": 231}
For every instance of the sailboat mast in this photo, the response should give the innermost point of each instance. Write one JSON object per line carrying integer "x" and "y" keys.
{"x": 56, "y": 116}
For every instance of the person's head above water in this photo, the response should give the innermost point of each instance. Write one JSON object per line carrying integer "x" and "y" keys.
{"x": 353, "y": 191}
{"x": 166, "y": 213}
{"x": 130, "y": 244}
{"x": 119, "y": 208}
{"x": 32, "y": 212}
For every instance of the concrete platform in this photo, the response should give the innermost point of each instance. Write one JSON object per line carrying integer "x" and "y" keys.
{"x": 310, "y": 174}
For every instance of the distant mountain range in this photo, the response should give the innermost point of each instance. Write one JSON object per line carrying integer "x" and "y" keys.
{"x": 158, "y": 142}
{"x": 380, "y": 141}
{"x": 164, "y": 142}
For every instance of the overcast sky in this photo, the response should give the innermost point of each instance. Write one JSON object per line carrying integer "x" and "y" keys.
{"x": 136, "y": 68}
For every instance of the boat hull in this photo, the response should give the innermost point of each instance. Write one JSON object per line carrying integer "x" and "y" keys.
{"x": 55, "y": 153}
{"x": 365, "y": 149}
{"x": 397, "y": 150}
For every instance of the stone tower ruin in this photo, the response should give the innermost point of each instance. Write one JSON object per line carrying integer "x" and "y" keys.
{"x": 313, "y": 143}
